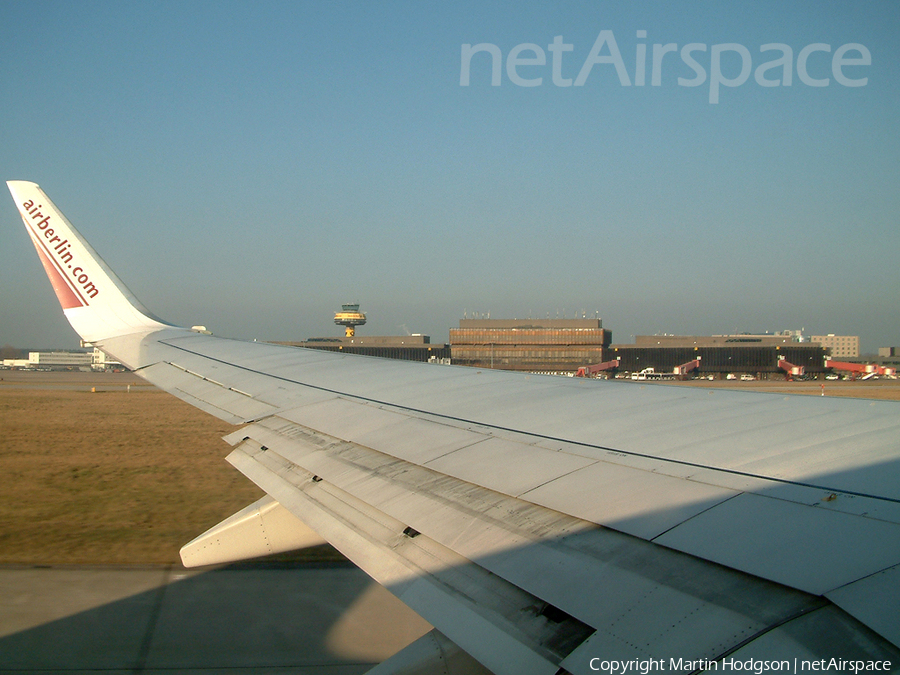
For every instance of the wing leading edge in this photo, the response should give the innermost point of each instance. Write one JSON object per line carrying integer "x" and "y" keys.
{"x": 537, "y": 522}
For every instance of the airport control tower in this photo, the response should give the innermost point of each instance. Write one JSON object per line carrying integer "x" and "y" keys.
{"x": 350, "y": 317}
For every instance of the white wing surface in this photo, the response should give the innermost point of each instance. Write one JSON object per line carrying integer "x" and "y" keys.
{"x": 542, "y": 525}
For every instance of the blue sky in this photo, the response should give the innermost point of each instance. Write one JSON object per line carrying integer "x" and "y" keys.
{"x": 251, "y": 166}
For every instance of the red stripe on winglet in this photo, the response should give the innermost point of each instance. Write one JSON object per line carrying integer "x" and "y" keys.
{"x": 64, "y": 291}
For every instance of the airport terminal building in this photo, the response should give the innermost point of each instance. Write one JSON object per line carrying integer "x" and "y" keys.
{"x": 534, "y": 345}
{"x": 761, "y": 356}
{"x": 564, "y": 345}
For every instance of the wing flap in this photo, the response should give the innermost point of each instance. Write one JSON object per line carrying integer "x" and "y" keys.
{"x": 626, "y": 588}
{"x": 826, "y": 637}
{"x": 431, "y": 653}
{"x": 874, "y": 601}
{"x": 263, "y": 528}
{"x": 494, "y": 621}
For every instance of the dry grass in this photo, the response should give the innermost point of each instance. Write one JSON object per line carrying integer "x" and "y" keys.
{"x": 112, "y": 477}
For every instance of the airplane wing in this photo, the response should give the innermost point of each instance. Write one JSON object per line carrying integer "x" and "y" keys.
{"x": 542, "y": 525}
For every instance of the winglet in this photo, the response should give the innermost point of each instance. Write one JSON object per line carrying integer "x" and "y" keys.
{"x": 94, "y": 300}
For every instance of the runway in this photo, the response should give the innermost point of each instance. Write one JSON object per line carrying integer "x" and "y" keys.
{"x": 243, "y": 619}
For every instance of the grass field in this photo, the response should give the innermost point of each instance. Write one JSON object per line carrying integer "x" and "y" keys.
{"x": 112, "y": 476}
{"x": 127, "y": 474}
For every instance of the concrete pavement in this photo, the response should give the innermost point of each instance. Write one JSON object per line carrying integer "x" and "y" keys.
{"x": 244, "y": 619}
